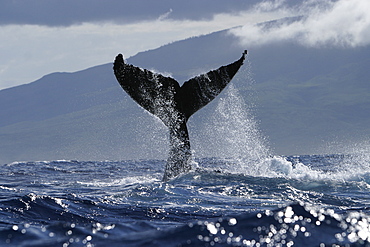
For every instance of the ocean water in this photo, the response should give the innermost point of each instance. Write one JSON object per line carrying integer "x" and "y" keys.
{"x": 246, "y": 196}
{"x": 283, "y": 201}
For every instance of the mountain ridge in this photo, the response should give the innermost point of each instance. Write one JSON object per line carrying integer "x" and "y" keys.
{"x": 304, "y": 98}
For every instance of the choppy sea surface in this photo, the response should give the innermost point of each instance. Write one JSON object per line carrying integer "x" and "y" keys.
{"x": 251, "y": 199}
{"x": 313, "y": 200}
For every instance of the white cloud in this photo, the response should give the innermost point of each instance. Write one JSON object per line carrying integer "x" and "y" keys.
{"x": 31, "y": 51}
{"x": 165, "y": 15}
{"x": 270, "y": 5}
{"x": 343, "y": 23}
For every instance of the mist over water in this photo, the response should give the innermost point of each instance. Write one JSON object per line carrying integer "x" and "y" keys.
{"x": 233, "y": 130}
{"x": 234, "y": 136}
{"x": 356, "y": 162}
{"x": 237, "y": 129}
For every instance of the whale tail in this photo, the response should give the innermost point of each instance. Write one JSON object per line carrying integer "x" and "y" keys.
{"x": 174, "y": 104}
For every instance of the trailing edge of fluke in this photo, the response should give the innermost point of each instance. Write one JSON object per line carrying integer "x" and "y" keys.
{"x": 163, "y": 97}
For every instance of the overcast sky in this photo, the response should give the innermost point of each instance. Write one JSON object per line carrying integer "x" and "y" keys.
{"x": 38, "y": 37}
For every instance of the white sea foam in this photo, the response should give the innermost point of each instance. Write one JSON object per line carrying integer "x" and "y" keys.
{"x": 7, "y": 188}
{"x": 239, "y": 141}
{"x": 120, "y": 182}
{"x": 278, "y": 166}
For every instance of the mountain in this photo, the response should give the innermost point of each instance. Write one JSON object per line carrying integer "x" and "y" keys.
{"x": 301, "y": 97}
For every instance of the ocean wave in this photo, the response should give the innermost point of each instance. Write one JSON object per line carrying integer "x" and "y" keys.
{"x": 295, "y": 224}
{"x": 280, "y": 201}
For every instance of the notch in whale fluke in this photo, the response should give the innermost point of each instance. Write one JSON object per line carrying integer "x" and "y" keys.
{"x": 163, "y": 97}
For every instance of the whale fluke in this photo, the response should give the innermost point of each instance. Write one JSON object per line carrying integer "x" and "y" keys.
{"x": 163, "y": 97}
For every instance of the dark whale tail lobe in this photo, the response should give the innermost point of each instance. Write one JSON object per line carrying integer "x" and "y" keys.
{"x": 163, "y": 97}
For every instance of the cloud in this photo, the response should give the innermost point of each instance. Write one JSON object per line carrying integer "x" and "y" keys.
{"x": 165, "y": 15}
{"x": 270, "y": 5}
{"x": 45, "y": 40}
{"x": 71, "y": 12}
{"x": 341, "y": 23}
{"x": 37, "y": 50}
